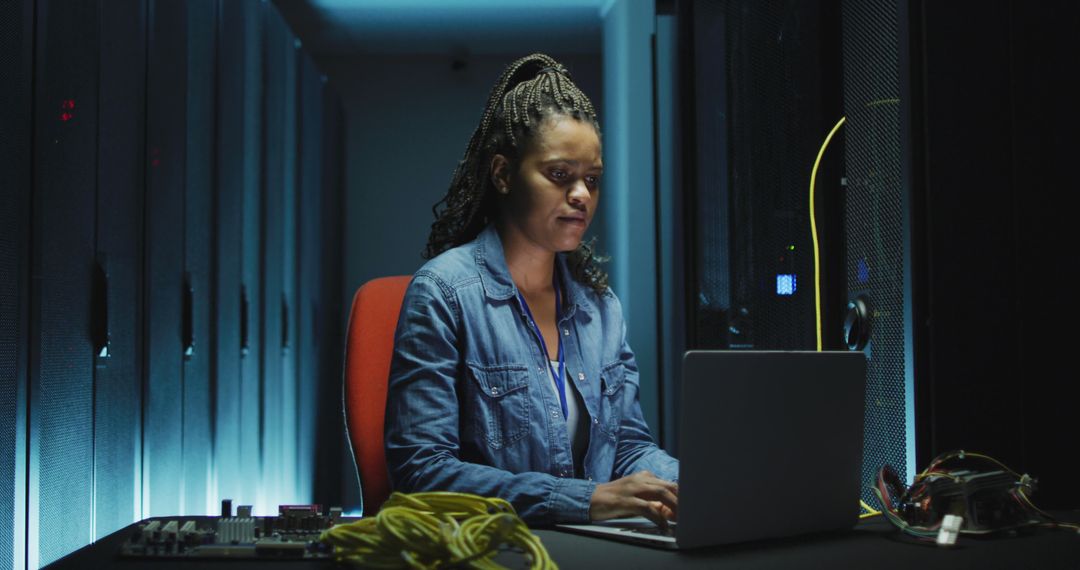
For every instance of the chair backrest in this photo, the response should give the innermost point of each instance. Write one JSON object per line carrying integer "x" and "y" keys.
{"x": 369, "y": 347}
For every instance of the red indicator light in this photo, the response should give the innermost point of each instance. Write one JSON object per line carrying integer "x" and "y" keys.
{"x": 66, "y": 108}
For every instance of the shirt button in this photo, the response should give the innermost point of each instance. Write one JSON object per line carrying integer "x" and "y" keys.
{"x": 595, "y": 421}
{"x": 555, "y": 413}
{"x": 494, "y": 391}
{"x": 566, "y": 332}
{"x": 581, "y": 376}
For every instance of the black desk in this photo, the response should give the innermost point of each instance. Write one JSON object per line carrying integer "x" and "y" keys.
{"x": 873, "y": 544}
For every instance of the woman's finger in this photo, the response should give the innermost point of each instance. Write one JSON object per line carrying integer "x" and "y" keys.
{"x": 664, "y": 495}
{"x": 652, "y": 510}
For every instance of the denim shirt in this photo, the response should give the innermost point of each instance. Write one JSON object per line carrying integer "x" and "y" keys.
{"x": 470, "y": 406}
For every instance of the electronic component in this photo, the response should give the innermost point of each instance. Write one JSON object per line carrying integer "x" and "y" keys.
{"x": 950, "y": 530}
{"x": 951, "y": 497}
{"x": 235, "y": 530}
{"x": 294, "y": 533}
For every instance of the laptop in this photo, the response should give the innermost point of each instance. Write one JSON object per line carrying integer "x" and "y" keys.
{"x": 770, "y": 445}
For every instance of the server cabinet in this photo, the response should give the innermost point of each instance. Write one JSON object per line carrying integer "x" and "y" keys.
{"x": 290, "y": 169}
{"x": 996, "y": 132}
{"x": 252, "y": 271}
{"x": 155, "y": 320}
{"x": 309, "y": 270}
{"x": 290, "y": 307}
{"x": 252, "y": 268}
{"x": 878, "y": 226}
{"x": 332, "y": 450}
{"x": 166, "y": 150}
{"x": 279, "y": 81}
{"x": 118, "y": 265}
{"x": 237, "y": 370}
{"x": 764, "y": 109}
{"x": 198, "y": 237}
{"x": 60, "y": 487}
{"x": 230, "y": 330}
{"x": 16, "y": 57}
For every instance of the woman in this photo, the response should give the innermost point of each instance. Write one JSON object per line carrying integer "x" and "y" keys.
{"x": 511, "y": 374}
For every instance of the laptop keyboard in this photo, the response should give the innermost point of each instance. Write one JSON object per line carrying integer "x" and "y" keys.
{"x": 669, "y": 531}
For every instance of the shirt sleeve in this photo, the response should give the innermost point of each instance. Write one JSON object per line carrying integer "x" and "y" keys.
{"x": 635, "y": 449}
{"x": 422, "y": 418}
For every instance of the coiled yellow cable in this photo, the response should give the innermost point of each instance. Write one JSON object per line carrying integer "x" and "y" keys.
{"x": 436, "y": 530}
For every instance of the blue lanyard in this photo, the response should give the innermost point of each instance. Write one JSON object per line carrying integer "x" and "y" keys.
{"x": 560, "y": 374}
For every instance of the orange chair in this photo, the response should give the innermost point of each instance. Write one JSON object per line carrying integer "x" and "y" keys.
{"x": 369, "y": 348}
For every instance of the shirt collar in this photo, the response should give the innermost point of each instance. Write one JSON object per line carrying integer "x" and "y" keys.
{"x": 495, "y": 275}
{"x": 491, "y": 260}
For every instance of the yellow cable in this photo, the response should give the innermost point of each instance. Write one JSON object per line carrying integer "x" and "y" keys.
{"x": 813, "y": 216}
{"x": 437, "y": 529}
{"x": 870, "y": 511}
{"x": 813, "y": 230}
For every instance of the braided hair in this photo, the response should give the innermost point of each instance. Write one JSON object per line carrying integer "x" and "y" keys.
{"x": 529, "y": 91}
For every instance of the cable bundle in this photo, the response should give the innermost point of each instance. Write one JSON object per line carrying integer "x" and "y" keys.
{"x": 436, "y": 530}
{"x": 939, "y": 490}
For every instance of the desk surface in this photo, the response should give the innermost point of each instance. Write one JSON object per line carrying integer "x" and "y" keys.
{"x": 872, "y": 544}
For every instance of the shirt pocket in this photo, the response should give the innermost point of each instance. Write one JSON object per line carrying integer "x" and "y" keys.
{"x": 612, "y": 380}
{"x": 500, "y": 410}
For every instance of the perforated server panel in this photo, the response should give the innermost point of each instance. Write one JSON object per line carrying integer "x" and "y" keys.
{"x": 199, "y": 231}
{"x": 766, "y": 93}
{"x": 121, "y": 176}
{"x": 16, "y": 57}
{"x": 877, "y": 213}
{"x": 165, "y": 138}
{"x": 60, "y": 493}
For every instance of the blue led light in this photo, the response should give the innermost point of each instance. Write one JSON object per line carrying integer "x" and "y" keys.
{"x": 785, "y": 284}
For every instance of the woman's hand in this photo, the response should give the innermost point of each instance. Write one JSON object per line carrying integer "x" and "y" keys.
{"x": 641, "y": 494}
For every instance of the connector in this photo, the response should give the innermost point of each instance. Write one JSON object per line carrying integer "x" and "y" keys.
{"x": 170, "y": 529}
{"x": 187, "y": 529}
{"x": 149, "y": 530}
{"x": 950, "y": 530}
{"x": 236, "y": 531}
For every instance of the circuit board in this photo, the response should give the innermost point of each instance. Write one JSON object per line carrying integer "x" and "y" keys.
{"x": 293, "y": 534}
